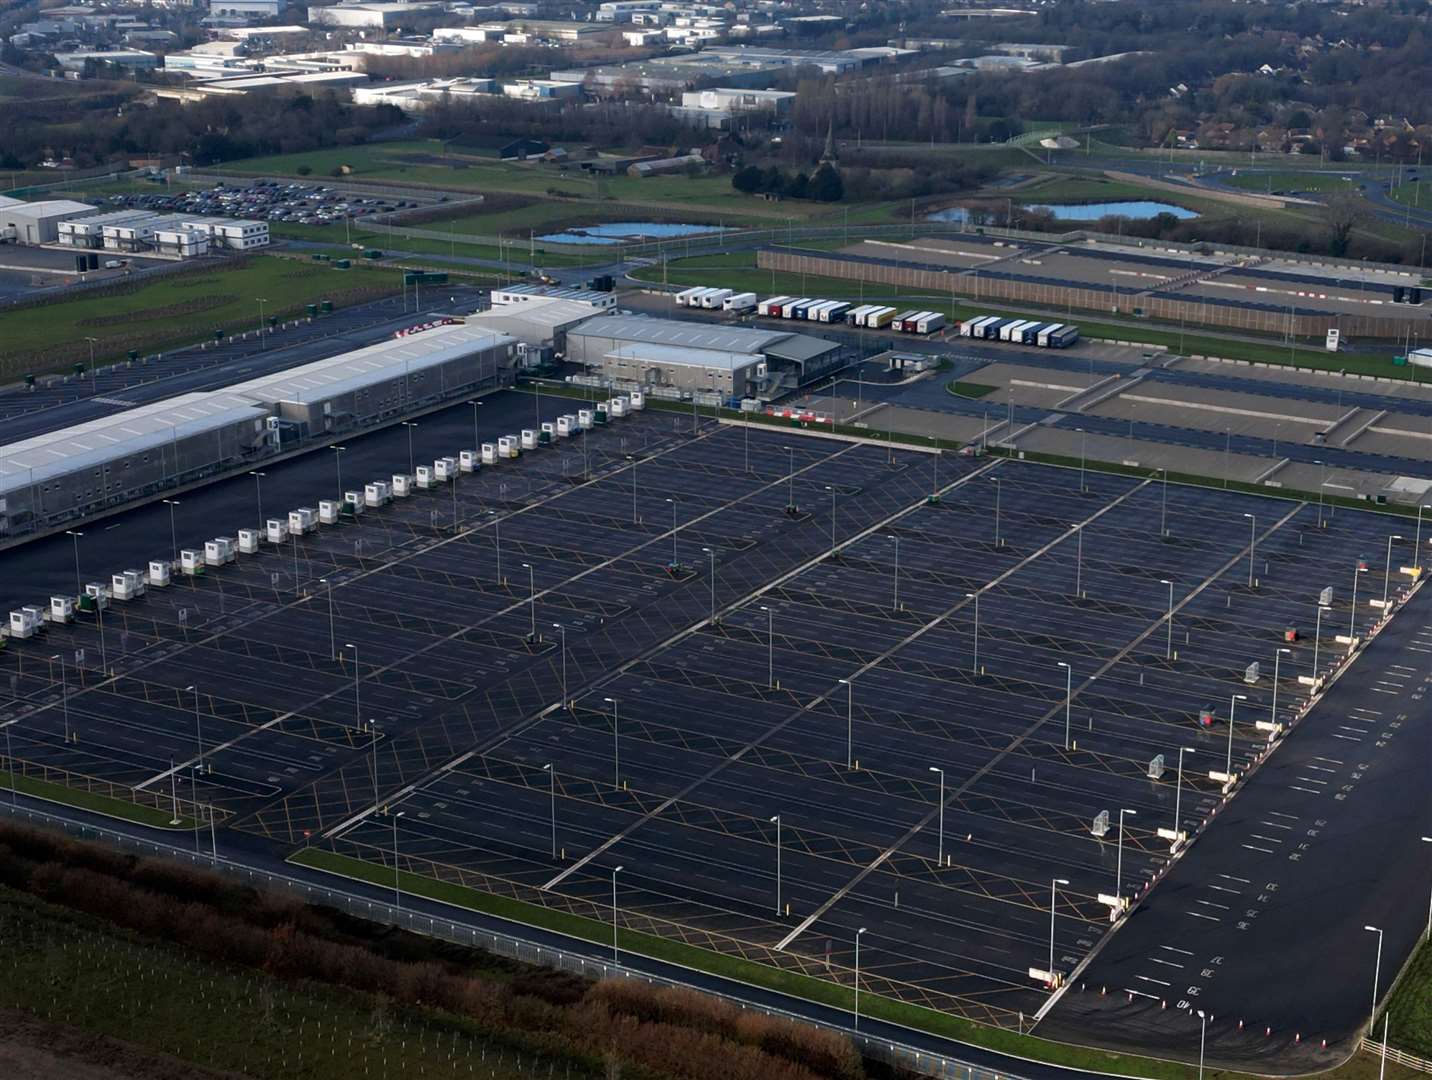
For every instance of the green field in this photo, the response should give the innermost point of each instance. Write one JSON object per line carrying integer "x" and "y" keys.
{"x": 175, "y": 310}
{"x": 1418, "y": 195}
{"x": 1293, "y": 180}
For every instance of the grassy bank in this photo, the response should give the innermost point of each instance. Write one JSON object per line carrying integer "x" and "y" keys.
{"x": 1410, "y": 1009}
{"x": 179, "y": 309}
{"x": 79, "y": 971}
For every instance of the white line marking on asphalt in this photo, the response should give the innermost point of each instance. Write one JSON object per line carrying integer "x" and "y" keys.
{"x": 1165, "y": 963}
{"x": 1334, "y": 760}
{"x": 1251, "y": 847}
{"x": 1279, "y": 813}
{"x": 1225, "y": 888}
{"x": 1200, "y": 915}
{"x": 1349, "y": 738}
{"x": 1148, "y": 978}
{"x": 1309, "y": 790}
{"x": 1230, "y": 877}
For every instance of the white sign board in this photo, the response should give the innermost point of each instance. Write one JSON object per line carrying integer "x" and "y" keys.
{"x": 1333, "y": 334}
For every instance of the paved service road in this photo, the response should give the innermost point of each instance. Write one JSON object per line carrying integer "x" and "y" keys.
{"x": 1261, "y": 924}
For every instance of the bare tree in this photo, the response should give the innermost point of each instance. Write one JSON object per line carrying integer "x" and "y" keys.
{"x": 1342, "y": 212}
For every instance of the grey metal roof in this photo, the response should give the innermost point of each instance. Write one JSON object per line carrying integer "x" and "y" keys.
{"x": 675, "y": 356}
{"x": 91, "y": 444}
{"x": 363, "y": 367}
{"x": 691, "y": 335}
{"x": 799, "y": 348}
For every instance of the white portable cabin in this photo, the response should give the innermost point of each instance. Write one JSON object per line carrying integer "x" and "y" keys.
{"x": 402, "y": 485}
{"x": 618, "y": 406}
{"x": 445, "y": 469}
{"x": 248, "y": 541}
{"x": 507, "y": 446}
{"x": 716, "y": 298}
{"x": 586, "y": 418}
{"x": 637, "y": 400}
{"x": 302, "y": 520}
{"x": 565, "y": 424}
{"x": 214, "y": 552}
{"x": 62, "y": 608}
{"x": 489, "y": 453}
{"x": 765, "y": 306}
{"x": 468, "y": 461}
{"x": 25, "y": 623}
{"x": 378, "y": 493}
{"x": 98, "y": 594}
{"x": 354, "y": 502}
{"x": 329, "y": 511}
{"x": 529, "y": 439}
{"x": 1046, "y": 331}
{"x": 128, "y": 585}
{"x": 159, "y": 570}
{"x": 224, "y": 547}
{"x": 423, "y": 477}
{"x": 191, "y": 562}
{"x": 277, "y": 530}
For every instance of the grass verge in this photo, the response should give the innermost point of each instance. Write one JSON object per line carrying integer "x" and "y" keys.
{"x": 1410, "y": 1008}
{"x": 970, "y": 389}
{"x": 91, "y": 801}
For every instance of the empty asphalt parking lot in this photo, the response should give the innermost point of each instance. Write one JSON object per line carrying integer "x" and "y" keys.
{"x": 799, "y": 690}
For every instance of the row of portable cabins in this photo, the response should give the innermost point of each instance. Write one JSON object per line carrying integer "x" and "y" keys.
{"x": 869, "y": 316}
{"x": 1020, "y": 331}
{"x": 27, "y": 621}
{"x": 717, "y": 299}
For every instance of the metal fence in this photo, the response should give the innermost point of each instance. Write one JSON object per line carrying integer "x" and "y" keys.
{"x": 506, "y": 945}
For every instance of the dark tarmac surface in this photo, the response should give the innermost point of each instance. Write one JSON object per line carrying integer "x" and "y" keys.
{"x": 713, "y": 729}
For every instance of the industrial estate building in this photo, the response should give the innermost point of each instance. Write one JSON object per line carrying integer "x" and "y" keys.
{"x": 734, "y": 362}
{"x": 74, "y": 473}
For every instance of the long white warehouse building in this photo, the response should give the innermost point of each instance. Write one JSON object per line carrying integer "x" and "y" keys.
{"x": 75, "y": 473}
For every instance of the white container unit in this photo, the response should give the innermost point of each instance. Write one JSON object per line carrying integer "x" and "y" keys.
{"x": 489, "y": 453}
{"x": 529, "y": 439}
{"x": 378, "y": 493}
{"x": 159, "y": 570}
{"x": 617, "y": 406}
{"x": 23, "y": 623}
{"x": 930, "y": 322}
{"x": 684, "y": 298}
{"x": 507, "y": 446}
{"x": 467, "y": 461}
{"x": 129, "y": 585}
{"x": 739, "y": 302}
{"x": 424, "y": 478}
{"x": 248, "y": 541}
{"x": 765, "y": 306}
{"x": 638, "y": 400}
{"x": 549, "y": 431}
{"x": 714, "y": 298}
{"x": 355, "y": 502}
{"x": 586, "y": 418}
{"x": 62, "y": 608}
{"x": 328, "y": 511}
{"x": 191, "y": 562}
{"x": 277, "y": 530}
{"x": 218, "y": 551}
{"x": 402, "y": 485}
{"x": 302, "y": 520}
{"x": 565, "y": 425}
{"x": 445, "y": 469}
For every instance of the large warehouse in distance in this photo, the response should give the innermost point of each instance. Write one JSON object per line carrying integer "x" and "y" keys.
{"x": 733, "y": 361}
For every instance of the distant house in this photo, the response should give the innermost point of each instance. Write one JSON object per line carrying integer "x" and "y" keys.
{"x": 522, "y": 149}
